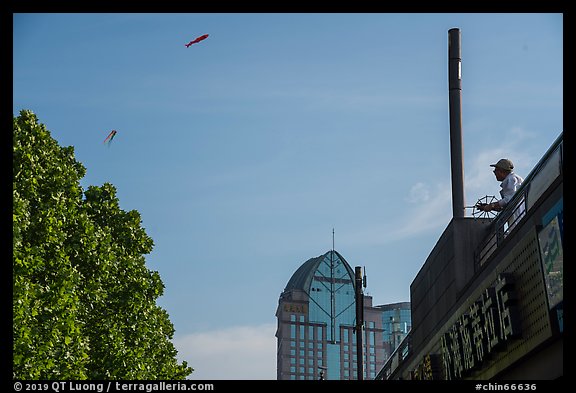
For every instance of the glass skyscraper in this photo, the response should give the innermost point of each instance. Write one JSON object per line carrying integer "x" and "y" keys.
{"x": 397, "y": 322}
{"x": 316, "y": 324}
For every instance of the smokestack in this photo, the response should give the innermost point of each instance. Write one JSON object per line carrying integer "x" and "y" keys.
{"x": 455, "y": 97}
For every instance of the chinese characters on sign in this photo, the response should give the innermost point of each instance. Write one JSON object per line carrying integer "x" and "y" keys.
{"x": 429, "y": 369}
{"x": 295, "y": 308}
{"x": 486, "y": 326}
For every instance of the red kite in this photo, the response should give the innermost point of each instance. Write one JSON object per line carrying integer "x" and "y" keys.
{"x": 194, "y": 41}
{"x": 110, "y": 137}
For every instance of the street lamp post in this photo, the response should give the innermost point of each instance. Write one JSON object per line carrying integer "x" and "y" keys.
{"x": 359, "y": 322}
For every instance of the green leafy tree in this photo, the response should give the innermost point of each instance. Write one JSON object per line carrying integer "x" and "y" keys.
{"x": 84, "y": 303}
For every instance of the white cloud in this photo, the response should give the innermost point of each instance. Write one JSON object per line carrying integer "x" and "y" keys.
{"x": 430, "y": 210}
{"x": 234, "y": 353}
{"x": 426, "y": 209}
{"x": 418, "y": 193}
{"x": 427, "y": 206}
{"x": 431, "y": 206}
{"x": 480, "y": 180}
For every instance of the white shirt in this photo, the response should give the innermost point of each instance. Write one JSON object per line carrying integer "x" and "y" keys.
{"x": 509, "y": 186}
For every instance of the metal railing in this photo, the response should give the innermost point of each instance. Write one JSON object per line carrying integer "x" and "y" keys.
{"x": 398, "y": 355}
{"x": 524, "y": 199}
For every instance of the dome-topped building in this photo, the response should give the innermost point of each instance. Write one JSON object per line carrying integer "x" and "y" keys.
{"x": 316, "y": 320}
{"x": 302, "y": 277}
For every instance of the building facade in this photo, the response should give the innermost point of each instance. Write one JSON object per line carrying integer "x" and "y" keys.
{"x": 396, "y": 322}
{"x": 488, "y": 303}
{"x": 316, "y": 335}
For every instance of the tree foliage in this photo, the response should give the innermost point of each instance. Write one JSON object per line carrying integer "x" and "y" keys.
{"x": 84, "y": 302}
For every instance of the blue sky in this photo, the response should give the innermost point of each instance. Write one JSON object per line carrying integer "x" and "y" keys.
{"x": 244, "y": 151}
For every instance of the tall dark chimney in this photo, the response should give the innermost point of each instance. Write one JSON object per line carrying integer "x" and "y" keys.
{"x": 455, "y": 97}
